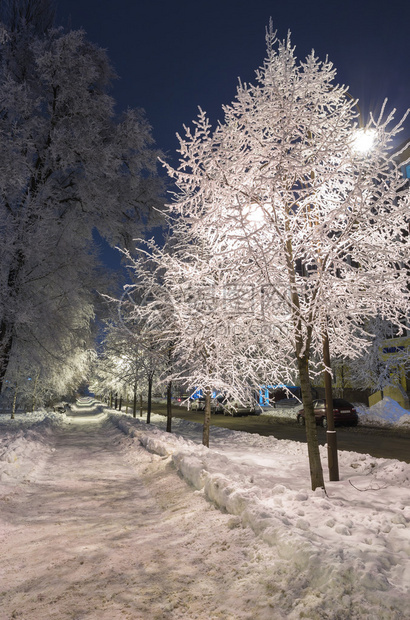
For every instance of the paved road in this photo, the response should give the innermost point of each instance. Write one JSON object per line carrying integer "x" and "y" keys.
{"x": 381, "y": 443}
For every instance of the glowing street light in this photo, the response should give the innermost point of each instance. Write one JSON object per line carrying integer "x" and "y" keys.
{"x": 364, "y": 140}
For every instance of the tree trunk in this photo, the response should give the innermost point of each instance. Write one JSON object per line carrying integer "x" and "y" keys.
{"x": 120, "y": 404}
{"x": 169, "y": 407}
{"x": 207, "y": 418}
{"x": 13, "y": 410}
{"x": 149, "y": 403}
{"x": 315, "y": 465}
{"x": 140, "y": 405}
{"x": 116, "y": 401}
{"x": 6, "y": 341}
{"x": 330, "y": 431}
{"x": 134, "y": 402}
{"x": 302, "y": 348}
{"x": 7, "y": 329}
{"x": 35, "y": 392}
{"x": 111, "y": 400}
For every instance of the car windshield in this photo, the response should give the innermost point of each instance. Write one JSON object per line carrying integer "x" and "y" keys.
{"x": 340, "y": 402}
{"x": 337, "y": 403}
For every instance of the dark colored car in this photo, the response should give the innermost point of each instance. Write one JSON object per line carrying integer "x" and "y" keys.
{"x": 344, "y": 413}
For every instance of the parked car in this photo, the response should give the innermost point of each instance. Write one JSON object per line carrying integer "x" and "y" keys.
{"x": 344, "y": 413}
{"x": 235, "y": 408}
{"x": 181, "y": 398}
{"x": 217, "y": 404}
{"x": 198, "y": 404}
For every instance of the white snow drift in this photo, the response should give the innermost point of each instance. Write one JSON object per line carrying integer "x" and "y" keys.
{"x": 343, "y": 553}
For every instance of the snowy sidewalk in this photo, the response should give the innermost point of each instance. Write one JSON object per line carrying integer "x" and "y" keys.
{"x": 107, "y": 517}
{"x": 94, "y": 536}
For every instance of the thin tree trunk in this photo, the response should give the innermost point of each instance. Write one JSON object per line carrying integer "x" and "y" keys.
{"x": 315, "y": 465}
{"x": 6, "y": 341}
{"x": 149, "y": 403}
{"x": 169, "y": 407}
{"x": 207, "y": 418}
{"x": 6, "y": 329}
{"x": 120, "y": 404}
{"x": 33, "y": 408}
{"x": 126, "y": 402}
{"x": 134, "y": 403}
{"x": 332, "y": 457}
{"x": 13, "y": 410}
{"x": 140, "y": 405}
{"x": 302, "y": 348}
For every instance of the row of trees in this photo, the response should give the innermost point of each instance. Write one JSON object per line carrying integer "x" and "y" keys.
{"x": 124, "y": 367}
{"x": 68, "y": 167}
{"x": 283, "y": 235}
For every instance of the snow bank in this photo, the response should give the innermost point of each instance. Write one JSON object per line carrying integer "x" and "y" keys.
{"x": 340, "y": 554}
{"x": 386, "y": 412}
{"x": 25, "y": 444}
{"x": 25, "y": 440}
{"x": 87, "y": 413}
{"x": 85, "y": 401}
{"x": 349, "y": 546}
{"x": 282, "y": 412}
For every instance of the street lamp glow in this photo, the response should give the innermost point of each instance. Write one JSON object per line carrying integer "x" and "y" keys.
{"x": 254, "y": 214}
{"x": 364, "y": 140}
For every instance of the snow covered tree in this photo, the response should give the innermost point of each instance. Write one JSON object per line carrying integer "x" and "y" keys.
{"x": 130, "y": 353}
{"x": 182, "y": 298}
{"x": 67, "y": 166}
{"x": 374, "y": 369}
{"x": 282, "y": 192}
{"x": 147, "y": 313}
{"x": 118, "y": 369}
{"x": 38, "y": 15}
{"x": 32, "y": 381}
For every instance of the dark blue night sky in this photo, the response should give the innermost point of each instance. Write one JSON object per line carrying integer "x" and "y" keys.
{"x": 175, "y": 56}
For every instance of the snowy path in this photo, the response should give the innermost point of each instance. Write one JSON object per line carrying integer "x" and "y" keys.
{"x": 98, "y": 520}
{"x": 98, "y": 536}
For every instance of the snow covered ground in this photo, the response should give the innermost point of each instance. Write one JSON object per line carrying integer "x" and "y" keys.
{"x": 387, "y": 412}
{"x": 97, "y": 521}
